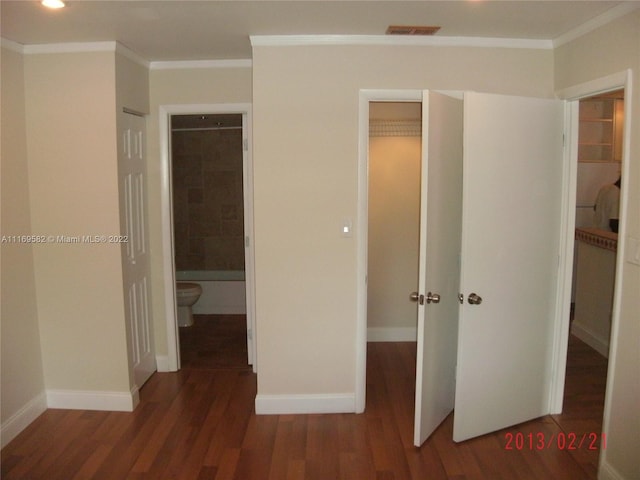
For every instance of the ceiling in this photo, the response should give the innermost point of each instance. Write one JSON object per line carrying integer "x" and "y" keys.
{"x": 175, "y": 30}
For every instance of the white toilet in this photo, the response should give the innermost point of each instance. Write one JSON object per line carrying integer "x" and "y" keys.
{"x": 186, "y": 294}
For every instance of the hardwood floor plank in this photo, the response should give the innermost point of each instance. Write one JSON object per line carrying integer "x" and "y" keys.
{"x": 228, "y": 464}
{"x": 93, "y": 462}
{"x": 58, "y": 443}
{"x": 296, "y": 470}
{"x": 283, "y": 443}
{"x": 253, "y": 463}
{"x": 425, "y": 463}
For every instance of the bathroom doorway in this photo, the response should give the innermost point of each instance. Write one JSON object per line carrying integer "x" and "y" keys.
{"x": 208, "y": 200}
{"x": 208, "y": 226}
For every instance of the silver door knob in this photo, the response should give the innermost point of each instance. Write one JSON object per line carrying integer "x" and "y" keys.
{"x": 474, "y": 299}
{"x": 416, "y": 297}
{"x": 433, "y": 298}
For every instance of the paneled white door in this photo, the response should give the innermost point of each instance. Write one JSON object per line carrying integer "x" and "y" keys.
{"x": 513, "y": 156}
{"x": 135, "y": 251}
{"x": 438, "y": 282}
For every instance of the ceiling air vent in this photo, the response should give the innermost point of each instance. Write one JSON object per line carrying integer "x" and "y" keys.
{"x": 411, "y": 30}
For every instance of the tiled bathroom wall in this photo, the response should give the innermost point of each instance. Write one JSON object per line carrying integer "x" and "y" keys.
{"x": 208, "y": 199}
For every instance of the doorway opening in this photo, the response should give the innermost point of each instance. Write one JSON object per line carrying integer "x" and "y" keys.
{"x": 597, "y": 200}
{"x": 209, "y": 240}
{"x": 207, "y": 215}
{"x": 395, "y": 227}
{"x": 395, "y": 143}
{"x": 378, "y": 328}
{"x": 394, "y": 162}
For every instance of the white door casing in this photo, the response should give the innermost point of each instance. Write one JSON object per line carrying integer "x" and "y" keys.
{"x": 512, "y": 192}
{"x": 440, "y": 224}
{"x": 172, "y": 361}
{"x": 135, "y": 251}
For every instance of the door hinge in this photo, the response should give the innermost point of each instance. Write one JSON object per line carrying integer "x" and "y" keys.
{"x": 245, "y": 144}
{"x": 246, "y": 241}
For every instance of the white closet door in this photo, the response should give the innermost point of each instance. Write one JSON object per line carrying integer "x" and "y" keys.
{"x": 136, "y": 266}
{"x": 513, "y": 153}
{"x": 440, "y": 223}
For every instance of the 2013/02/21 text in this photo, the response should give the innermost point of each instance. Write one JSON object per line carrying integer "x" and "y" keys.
{"x": 561, "y": 441}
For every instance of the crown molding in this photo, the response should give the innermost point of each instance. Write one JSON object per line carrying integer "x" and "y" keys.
{"x": 131, "y": 55}
{"x": 385, "y": 40}
{"x": 597, "y": 22}
{"x": 71, "y": 47}
{"x": 113, "y": 46}
{"x": 75, "y": 47}
{"x": 11, "y": 45}
{"x": 191, "y": 64}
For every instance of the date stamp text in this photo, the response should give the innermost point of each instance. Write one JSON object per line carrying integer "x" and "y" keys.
{"x": 559, "y": 441}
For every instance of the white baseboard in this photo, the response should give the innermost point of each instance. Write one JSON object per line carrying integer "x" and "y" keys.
{"x": 607, "y": 472}
{"x": 17, "y": 422}
{"x": 596, "y": 342}
{"x": 92, "y": 400}
{"x": 304, "y": 404}
{"x": 391, "y": 334}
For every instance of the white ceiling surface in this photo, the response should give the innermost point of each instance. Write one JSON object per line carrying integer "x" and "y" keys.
{"x": 175, "y": 30}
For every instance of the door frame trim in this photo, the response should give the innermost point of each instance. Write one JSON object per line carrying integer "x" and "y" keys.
{"x": 572, "y": 95}
{"x": 365, "y": 97}
{"x": 168, "y": 265}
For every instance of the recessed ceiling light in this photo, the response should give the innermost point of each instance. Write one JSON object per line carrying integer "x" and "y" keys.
{"x": 412, "y": 30}
{"x": 53, "y": 3}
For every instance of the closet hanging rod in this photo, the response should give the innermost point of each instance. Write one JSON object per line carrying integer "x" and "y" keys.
{"x": 204, "y": 129}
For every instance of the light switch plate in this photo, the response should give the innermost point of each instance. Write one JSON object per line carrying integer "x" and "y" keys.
{"x": 346, "y": 227}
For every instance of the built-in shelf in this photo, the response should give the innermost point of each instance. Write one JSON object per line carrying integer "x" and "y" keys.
{"x": 600, "y": 135}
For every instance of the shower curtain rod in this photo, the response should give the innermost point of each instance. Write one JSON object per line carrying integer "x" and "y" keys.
{"x": 204, "y": 129}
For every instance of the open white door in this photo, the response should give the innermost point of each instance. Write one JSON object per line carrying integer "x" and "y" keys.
{"x": 513, "y": 150}
{"x": 440, "y": 224}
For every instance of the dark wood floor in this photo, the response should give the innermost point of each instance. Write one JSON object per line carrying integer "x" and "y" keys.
{"x": 199, "y": 424}
{"x": 214, "y": 341}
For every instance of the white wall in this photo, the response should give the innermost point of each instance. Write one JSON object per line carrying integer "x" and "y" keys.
{"x": 611, "y": 49}
{"x": 305, "y": 101}
{"x": 393, "y": 240}
{"x": 596, "y": 267}
{"x": 72, "y": 163}
{"x": 22, "y": 377}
